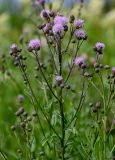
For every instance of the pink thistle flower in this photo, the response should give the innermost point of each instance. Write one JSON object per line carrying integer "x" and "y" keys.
{"x": 57, "y": 29}
{"x": 79, "y": 61}
{"x": 113, "y": 70}
{"x": 34, "y": 44}
{"x": 99, "y": 47}
{"x": 61, "y": 20}
{"x": 39, "y": 2}
{"x": 20, "y": 98}
{"x": 14, "y": 48}
{"x": 79, "y": 23}
{"x": 80, "y": 34}
{"x": 59, "y": 79}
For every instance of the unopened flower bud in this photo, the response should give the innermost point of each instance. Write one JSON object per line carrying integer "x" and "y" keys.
{"x": 29, "y": 129}
{"x": 72, "y": 18}
{"x": 86, "y": 74}
{"x": 62, "y": 85}
{"x": 13, "y": 128}
{"x": 29, "y": 118}
{"x": 91, "y": 104}
{"x": 68, "y": 87}
{"x": 94, "y": 110}
{"x": 21, "y": 110}
{"x": 52, "y": 14}
{"x": 107, "y": 67}
{"x": 97, "y": 70}
{"x": 25, "y": 114}
{"x": 17, "y": 113}
{"x": 65, "y": 28}
{"x": 45, "y": 14}
{"x": 22, "y": 124}
{"x": 83, "y": 66}
{"x": 98, "y": 104}
{"x": 34, "y": 114}
{"x": 96, "y": 65}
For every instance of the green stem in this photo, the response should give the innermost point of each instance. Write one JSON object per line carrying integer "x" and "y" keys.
{"x": 61, "y": 103}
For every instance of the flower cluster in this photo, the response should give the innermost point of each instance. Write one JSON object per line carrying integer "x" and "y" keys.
{"x": 64, "y": 39}
{"x": 59, "y": 23}
{"x": 80, "y": 33}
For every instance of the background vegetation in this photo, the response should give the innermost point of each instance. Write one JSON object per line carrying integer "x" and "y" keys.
{"x": 17, "y": 24}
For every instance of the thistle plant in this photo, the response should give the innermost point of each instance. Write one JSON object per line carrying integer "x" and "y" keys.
{"x": 72, "y": 97}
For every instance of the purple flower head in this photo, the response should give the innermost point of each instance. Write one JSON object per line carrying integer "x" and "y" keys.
{"x": 99, "y": 47}
{"x": 79, "y": 23}
{"x": 61, "y": 20}
{"x": 39, "y": 2}
{"x": 79, "y": 61}
{"x": 113, "y": 70}
{"x": 59, "y": 79}
{"x": 14, "y": 48}
{"x": 34, "y": 44}
{"x": 57, "y": 29}
{"x": 20, "y": 98}
{"x": 45, "y": 13}
{"x": 80, "y": 34}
